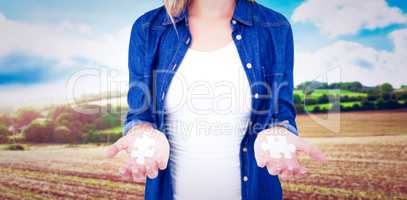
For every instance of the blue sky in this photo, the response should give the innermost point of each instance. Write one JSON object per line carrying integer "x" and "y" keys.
{"x": 46, "y": 42}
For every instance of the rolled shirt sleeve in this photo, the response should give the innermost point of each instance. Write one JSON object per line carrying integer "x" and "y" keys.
{"x": 283, "y": 112}
{"x": 139, "y": 94}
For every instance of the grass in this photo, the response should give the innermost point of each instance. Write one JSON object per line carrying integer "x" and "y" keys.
{"x": 328, "y": 106}
{"x": 319, "y": 92}
{"x": 117, "y": 129}
{"x": 16, "y": 147}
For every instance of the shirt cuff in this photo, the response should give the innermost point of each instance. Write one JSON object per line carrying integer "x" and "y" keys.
{"x": 285, "y": 124}
{"x": 134, "y": 123}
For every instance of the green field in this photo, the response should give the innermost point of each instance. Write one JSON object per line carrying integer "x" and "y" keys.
{"x": 319, "y": 92}
{"x": 112, "y": 130}
{"x": 333, "y": 92}
{"x": 327, "y": 106}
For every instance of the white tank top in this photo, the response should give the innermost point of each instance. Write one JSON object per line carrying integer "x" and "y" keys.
{"x": 208, "y": 107}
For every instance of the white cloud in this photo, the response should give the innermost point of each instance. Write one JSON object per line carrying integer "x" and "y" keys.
{"x": 74, "y": 47}
{"x": 15, "y": 96}
{"x": 69, "y": 90}
{"x": 344, "y": 17}
{"x": 356, "y": 62}
{"x": 44, "y": 94}
{"x": 65, "y": 42}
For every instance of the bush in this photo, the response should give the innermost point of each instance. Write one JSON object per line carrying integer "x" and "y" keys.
{"x": 16, "y": 147}
{"x": 347, "y": 98}
{"x": 107, "y": 121}
{"x": 299, "y": 108}
{"x": 3, "y": 139}
{"x": 298, "y": 99}
{"x": 4, "y": 130}
{"x": 401, "y": 96}
{"x": 316, "y": 109}
{"x": 62, "y": 134}
{"x": 352, "y": 86}
{"x": 6, "y": 120}
{"x": 323, "y": 99}
{"x": 40, "y": 131}
{"x": 387, "y": 104}
{"x": 26, "y": 116}
{"x": 356, "y": 107}
{"x": 77, "y": 126}
{"x": 336, "y": 107}
{"x": 4, "y": 133}
{"x": 310, "y": 101}
{"x": 367, "y": 105}
{"x": 103, "y": 136}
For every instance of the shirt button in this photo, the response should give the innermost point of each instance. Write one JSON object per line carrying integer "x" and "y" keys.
{"x": 244, "y": 149}
{"x": 249, "y": 65}
{"x": 238, "y": 37}
{"x": 234, "y": 22}
{"x": 256, "y": 96}
{"x": 245, "y": 178}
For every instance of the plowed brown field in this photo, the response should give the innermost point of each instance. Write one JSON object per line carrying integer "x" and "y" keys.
{"x": 359, "y": 167}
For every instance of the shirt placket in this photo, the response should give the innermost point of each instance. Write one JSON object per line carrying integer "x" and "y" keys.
{"x": 182, "y": 47}
{"x": 248, "y": 65}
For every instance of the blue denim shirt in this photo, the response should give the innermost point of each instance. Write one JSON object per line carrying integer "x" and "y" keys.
{"x": 264, "y": 41}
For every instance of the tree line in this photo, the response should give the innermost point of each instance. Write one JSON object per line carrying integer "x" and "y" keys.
{"x": 380, "y": 97}
{"x": 63, "y": 124}
{"x": 60, "y": 124}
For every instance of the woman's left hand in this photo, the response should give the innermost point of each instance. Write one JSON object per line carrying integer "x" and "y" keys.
{"x": 277, "y": 149}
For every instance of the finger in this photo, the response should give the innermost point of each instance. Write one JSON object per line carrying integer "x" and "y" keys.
{"x": 284, "y": 175}
{"x": 125, "y": 172}
{"x": 292, "y": 167}
{"x": 285, "y": 169}
{"x": 162, "y": 164}
{"x": 141, "y": 168}
{"x": 275, "y": 167}
{"x": 137, "y": 175}
{"x": 273, "y": 170}
{"x": 261, "y": 158}
{"x": 261, "y": 162}
{"x": 152, "y": 170}
{"x": 115, "y": 148}
{"x": 138, "y": 171}
{"x": 312, "y": 152}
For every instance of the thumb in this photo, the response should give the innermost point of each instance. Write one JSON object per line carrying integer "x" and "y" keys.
{"x": 162, "y": 164}
{"x": 312, "y": 152}
{"x": 115, "y": 148}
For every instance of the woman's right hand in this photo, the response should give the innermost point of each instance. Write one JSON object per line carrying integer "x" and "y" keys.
{"x": 138, "y": 169}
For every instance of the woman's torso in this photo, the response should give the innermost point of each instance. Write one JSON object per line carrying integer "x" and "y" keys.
{"x": 208, "y": 108}
{"x": 264, "y": 42}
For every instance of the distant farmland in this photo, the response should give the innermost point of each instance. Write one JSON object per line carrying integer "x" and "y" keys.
{"x": 353, "y": 124}
{"x": 315, "y": 95}
{"x": 367, "y": 160}
{"x": 319, "y": 92}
